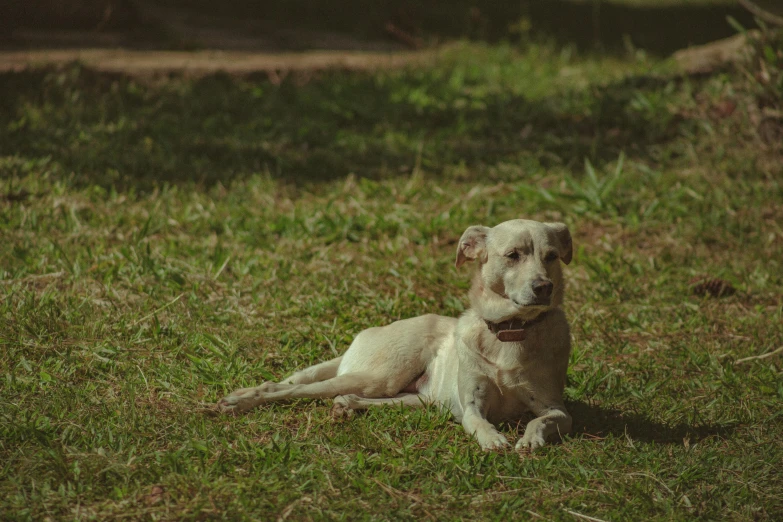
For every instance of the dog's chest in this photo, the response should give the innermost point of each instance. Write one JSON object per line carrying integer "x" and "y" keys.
{"x": 506, "y": 405}
{"x": 508, "y": 366}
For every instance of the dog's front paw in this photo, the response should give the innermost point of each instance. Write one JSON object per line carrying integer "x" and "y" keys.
{"x": 530, "y": 441}
{"x": 492, "y": 441}
{"x": 243, "y": 399}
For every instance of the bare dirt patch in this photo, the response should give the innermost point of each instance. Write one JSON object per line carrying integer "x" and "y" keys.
{"x": 197, "y": 63}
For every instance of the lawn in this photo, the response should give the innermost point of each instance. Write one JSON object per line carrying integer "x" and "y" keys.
{"x": 165, "y": 241}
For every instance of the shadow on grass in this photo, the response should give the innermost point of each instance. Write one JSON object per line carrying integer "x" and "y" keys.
{"x": 595, "y": 421}
{"x": 110, "y": 130}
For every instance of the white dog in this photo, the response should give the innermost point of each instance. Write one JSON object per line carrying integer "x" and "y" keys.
{"x": 506, "y": 355}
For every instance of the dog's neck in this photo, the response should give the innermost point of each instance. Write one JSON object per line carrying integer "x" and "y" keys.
{"x": 503, "y": 318}
{"x": 514, "y": 330}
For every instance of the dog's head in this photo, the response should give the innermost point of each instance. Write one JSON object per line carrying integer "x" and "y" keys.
{"x": 520, "y": 262}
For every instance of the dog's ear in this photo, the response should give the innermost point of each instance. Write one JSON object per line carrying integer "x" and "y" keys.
{"x": 472, "y": 244}
{"x": 564, "y": 238}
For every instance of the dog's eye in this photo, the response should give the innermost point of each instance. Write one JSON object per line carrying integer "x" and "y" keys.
{"x": 513, "y": 255}
{"x": 551, "y": 256}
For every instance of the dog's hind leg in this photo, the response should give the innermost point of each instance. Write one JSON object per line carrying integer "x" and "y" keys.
{"x": 364, "y": 384}
{"x": 344, "y": 404}
{"x": 315, "y": 373}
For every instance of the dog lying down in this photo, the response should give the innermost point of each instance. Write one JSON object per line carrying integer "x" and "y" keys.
{"x": 506, "y": 355}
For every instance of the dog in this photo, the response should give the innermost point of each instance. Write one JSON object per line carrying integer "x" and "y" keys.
{"x": 506, "y": 355}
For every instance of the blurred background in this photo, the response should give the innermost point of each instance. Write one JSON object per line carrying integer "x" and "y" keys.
{"x": 530, "y": 83}
{"x": 659, "y": 26}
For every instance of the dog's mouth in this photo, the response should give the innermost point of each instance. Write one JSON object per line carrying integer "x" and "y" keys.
{"x": 541, "y": 301}
{"x": 537, "y": 302}
{"x": 529, "y": 310}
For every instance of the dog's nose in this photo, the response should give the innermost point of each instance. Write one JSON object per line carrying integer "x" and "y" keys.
{"x": 542, "y": 288}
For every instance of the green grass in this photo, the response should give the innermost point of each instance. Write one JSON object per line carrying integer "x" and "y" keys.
{"x": 163, "y": 243}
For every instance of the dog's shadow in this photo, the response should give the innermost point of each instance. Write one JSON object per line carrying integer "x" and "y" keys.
{"x": 595, "y": 421}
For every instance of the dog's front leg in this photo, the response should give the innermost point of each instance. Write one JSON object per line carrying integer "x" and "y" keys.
{"x": 550, "y": 420}
{"x": 474, "y": 395}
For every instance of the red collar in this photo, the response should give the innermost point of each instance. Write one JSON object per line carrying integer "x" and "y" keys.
{"x": 513, "y": 330}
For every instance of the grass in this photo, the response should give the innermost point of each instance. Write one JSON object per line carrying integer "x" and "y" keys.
{"x": 166, "y": 242}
